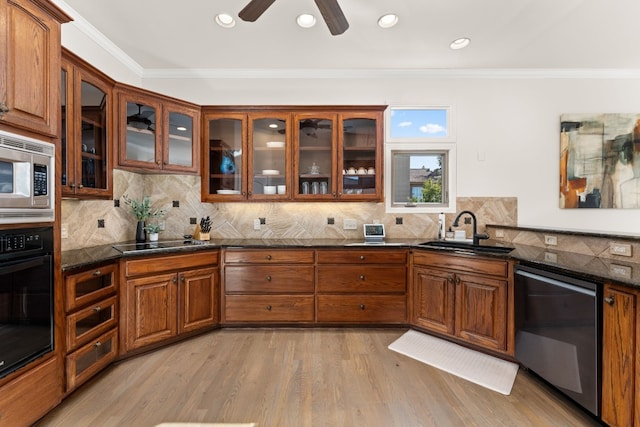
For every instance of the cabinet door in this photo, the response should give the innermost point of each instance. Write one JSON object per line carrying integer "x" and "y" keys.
{"x": 197, "y": 306}
{"x": 269, "y": 160}
{"x": 67, "y": 162}
{"x": 90, "y": 286}
{"x": 84, "y": 363}
{"x": 139, "y": 137}
{"x": 360, "y": 155}
{"x": 619, "y": 352}
{"x": 181, "y": 134}
{"x": 481, "y": 310}
{"x": 224, "y": 159}
{"x": 29, "y": 67}
{"x": 433, "y": 300}
{"x": 150, "y": 310}
{"x": 315, "y": 169}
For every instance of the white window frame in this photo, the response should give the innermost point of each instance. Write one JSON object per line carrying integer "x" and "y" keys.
{"x": 427, "y": 146}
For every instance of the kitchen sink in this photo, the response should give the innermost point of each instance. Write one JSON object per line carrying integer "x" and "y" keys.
{"x": 466, "y": 247}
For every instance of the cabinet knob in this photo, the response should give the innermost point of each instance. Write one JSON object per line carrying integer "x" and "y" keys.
{"x": 268, "y": 278}
{"x": 361, "y": 257}
{"x": 362, "y": 277}
{"x": 80, "y": 186}
{"x": 610, "y": 300}
{"x": 362, "y": 307}
{"x": 97, "y": 308}
{"x": 457, "y": 280}
{"x": 268, "y": 308}
{"x": 182, "y": 278}
{"x": 158, "y": 162}
{"x": 97, "y": 273}
{"x": 268, "y": 257}
{"x": 175, "y": 280}
{"x": 3, "y": 109}
{"x": 97, "y": 344}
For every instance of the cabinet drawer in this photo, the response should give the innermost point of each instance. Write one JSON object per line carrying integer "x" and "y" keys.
{"x": 91, "y": 358}
{"x": 90, "y": 322}
{"x": 149, "y": 265}
{"x": 362, "y": 308}
{"x": 269, "y": 308}
{"x": 360, "y": 256}
{"x": 361, "y": 278}
{"x": 269, "y": 256}
{"x": 90, "y": 286}
{"x": 269, "y": 279}
{"x": 470, "y": 264}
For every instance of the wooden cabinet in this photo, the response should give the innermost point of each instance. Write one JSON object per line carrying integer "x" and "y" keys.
{"x": 91, "y": 316}
{"x": 621, "y": 356}
{"x": 167, "y": 296}
{"x": 30, "y": 64}
{"x": 268, "y": 286}
{"x": 362, "y": 286}
{"x": 300, "y": 153}
{"x": 157, "y": 133}
{"x": 86, "y": 127}
{"x": 467, "y": 297}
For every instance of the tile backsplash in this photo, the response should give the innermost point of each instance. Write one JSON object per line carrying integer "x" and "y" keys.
{"x": 236, "y": 220}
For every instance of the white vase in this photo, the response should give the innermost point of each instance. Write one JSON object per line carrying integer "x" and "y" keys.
{"x": 153, "y": 237}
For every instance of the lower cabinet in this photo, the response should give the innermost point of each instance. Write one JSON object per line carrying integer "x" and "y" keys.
{"x": 621, "y": 356}
{"x": 166, "y": 296}
{"x": 466, "y": 297}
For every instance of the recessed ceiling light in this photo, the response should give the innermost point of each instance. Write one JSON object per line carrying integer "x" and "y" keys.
{"x": 388, "y": 20}
{"x": 225, "y": 20}
{"x": 306, "y": 20}
{"x": 460, "y": 43}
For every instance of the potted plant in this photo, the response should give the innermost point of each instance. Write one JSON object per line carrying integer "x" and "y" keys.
{"x": 153, "y": 230}
{"x": 142, "y": 210}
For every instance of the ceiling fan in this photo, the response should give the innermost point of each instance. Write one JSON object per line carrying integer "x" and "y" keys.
{"x": 140, "y": 120}
{"x": 330, "y": 10}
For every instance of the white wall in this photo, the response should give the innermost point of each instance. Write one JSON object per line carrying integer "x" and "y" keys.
{"x": 510, "y": 119}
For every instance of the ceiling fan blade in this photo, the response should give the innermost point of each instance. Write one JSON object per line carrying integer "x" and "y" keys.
{"x": 333, "y": 16}
{"x": 254, "y": 9}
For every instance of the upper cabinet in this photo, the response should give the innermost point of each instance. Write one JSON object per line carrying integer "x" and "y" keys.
{"x": 86, "y": 126}
{"x": 30, "y": 65}
{"x": 157, "y": 133}
{"x": 282, "y": 154}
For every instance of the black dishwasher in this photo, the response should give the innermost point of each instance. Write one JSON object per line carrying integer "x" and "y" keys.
{"x": 558, "y": 332}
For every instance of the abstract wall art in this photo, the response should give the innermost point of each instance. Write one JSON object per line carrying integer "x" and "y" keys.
{"x": 600, "y": 161}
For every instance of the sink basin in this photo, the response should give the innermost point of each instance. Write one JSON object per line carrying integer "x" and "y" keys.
{"x": 466, "y": 247}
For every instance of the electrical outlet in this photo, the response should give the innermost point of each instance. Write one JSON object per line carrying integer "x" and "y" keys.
{"x": 551, "y": 257}
{"x": 256, "y": 224}
{"x": 623, "y": 249}
{"x": 623, "y": 271}
{"x": 64, "y": 231}
{"x": 551, "y": 240}
{"x": 499, "y": 233}
{"x": 350, "y": 224}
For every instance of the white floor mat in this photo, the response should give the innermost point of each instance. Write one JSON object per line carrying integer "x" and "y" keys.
{"x": 479, "y": 368}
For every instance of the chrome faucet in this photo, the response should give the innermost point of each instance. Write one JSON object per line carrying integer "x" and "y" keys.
{"x": 476, "y": 236}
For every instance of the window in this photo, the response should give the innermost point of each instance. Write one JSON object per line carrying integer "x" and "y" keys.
{"x": 420, "y": 160}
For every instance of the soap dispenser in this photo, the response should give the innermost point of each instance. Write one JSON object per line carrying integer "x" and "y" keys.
{"x": 441, "y": 227}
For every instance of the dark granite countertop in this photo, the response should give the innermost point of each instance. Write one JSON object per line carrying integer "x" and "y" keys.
{"x": 577, "y": 265}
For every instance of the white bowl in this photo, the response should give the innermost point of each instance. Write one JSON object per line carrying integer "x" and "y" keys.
{"x": 275, "y": 144}
{"x": 270, "y": 172}
{"x": 228, "y": 191}
{"x": 270, "y": 189}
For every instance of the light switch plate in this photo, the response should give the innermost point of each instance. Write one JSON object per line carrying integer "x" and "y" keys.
{"x": 350, "y": 224}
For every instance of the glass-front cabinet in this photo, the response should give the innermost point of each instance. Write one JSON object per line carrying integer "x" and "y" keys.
{"x": 269, "y": 160}
{"x": 224, "y": 158}
{"x": 85, "y": 130}
{"x": 315, "y": 156}
{"x": 157, "y": 133}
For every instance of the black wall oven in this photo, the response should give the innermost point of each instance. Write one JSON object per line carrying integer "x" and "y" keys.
{"x": 558, "y": 332}
{"x": 26, "y": 296}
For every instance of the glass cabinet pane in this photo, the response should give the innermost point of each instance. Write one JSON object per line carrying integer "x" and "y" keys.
{"x": 65, "y": 116}
{"x": 359, "y": 141}
{"x": 180, "y": 139}
{"x": 141, "y": 132}
{"x": 314, "y": 172}
{"x": 93, "y": 136}
{"x": 269, "y": 148}
{"x": 225, "y": 155}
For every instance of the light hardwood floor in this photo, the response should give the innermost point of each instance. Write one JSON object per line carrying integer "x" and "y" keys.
{"x": 301, "y": 377}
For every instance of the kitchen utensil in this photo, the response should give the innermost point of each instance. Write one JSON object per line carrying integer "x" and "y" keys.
{"x": 315, "y": 188}
{"x": 305, "y": 187}
{"x": 282, "y": 189}
{"x": 324, "y": 187}
{"x": 371, "y": 171}
{"x": 351, "y": 171}
{"x": 362, "y": 171}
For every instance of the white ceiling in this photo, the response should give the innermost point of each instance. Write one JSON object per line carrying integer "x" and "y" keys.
{"x": 505, "y": 34}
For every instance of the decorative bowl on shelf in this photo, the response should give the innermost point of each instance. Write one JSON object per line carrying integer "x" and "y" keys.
{"x": 270, "y": 172}
{"x": 270, "y": 189}
{"x": 275, "y": 144}
{"x": 228, "y": 191}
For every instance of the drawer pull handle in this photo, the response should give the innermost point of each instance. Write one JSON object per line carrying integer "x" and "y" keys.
{"x": 268, "y": 278}
{"x": 97, "y": 344}
{"x": 97, "y": 308}
{"x": 361, "y": 257}
{"x": 610, "y": 300}
{"x": 268, "y": 308}
{"x": 268, "y": 257}
{"x": 362, "y": 277}
{"x": 182, "y": 278}
{"x": 362, "y": 307}
{"x": 97, "y": 273}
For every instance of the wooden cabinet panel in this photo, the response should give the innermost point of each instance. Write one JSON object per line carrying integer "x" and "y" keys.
{"x": 198, "y": 306}
{"x": 260, "y": 279}
{"x": 150, "y": 309}
{"x": 150, "y": 265}
{"x": 433, "y": 300}
{"x": 86, "y": 324}
{"x": 621, "y": 357}
{"x": 361, "y": 278}
{"x": 468, "y": 264}
{"x": 364, "y": 308}
{"x": 90, "y": 286}
{"x": 269, "y": 308}
{"x": 269, "y": 256}
{"x": 372, "y": 256}
{"x": 88, "y": 360}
